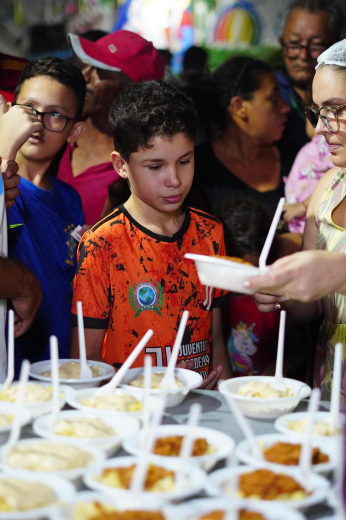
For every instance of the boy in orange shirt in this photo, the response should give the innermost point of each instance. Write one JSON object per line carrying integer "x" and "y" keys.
{"x": 132, "y": 274}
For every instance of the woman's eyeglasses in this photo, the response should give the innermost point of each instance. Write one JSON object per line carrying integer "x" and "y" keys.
{"x": 329, "y": 116}
{"x": 52, "y": 121}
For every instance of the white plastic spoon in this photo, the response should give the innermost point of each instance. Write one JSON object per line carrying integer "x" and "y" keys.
{"x": 278, "y": 382}
{"x": 85, "y": 371}
{"x": 147, "y": 392}
{"x": 306, "y": 449}
{"x": 168, "y": 380}
{"x": 16, "y": 425}
{"x": 267, "y": 244}
{"x": 245, "y": 427}
{"x": 113, "y": 383}
{"x": 141, "y": 470}
{"x": 334, "y": 417}
{"x": 187, "y": 444}
{"x": 54, "y": 359}
{"x": 10, "y": 353}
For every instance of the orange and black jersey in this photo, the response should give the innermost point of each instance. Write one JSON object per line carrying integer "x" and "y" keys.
{"x": 130, "y": 279}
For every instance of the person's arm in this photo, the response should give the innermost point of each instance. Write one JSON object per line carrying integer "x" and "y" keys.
{"x": 298, "y": 209}
{"x": 18, "y": 284}
{"x": 93, "y": 343}
{"x": 220, "y": 355}
{"x": 298, "y": 310}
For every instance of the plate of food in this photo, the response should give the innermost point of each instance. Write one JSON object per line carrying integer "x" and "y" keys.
{"x": 269, "y": 484}
{"x": 294, "y": 425}
{"x": 69, "y": 370}
{"x": 256, "y": 397}
{"x": 280, "y": 450}
{"x": 185, "y": 381}
{"x": 229, "y": 273}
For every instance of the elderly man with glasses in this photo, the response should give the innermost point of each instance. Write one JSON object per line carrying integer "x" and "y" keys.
{"x": 311, "y": 27}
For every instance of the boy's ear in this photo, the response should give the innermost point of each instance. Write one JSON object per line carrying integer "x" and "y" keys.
{"x": 77, "y": 132}
{"x": 119, "y": 164}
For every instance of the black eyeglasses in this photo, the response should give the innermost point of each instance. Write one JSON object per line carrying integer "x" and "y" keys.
{"x": 52, "y": 121}
{"x": 292, "y": 50}
{"x": 329, "y": 116}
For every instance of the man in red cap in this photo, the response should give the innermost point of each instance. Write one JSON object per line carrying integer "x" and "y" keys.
{"x": 112, "y": 63}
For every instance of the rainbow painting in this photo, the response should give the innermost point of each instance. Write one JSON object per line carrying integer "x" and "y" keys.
{"x": 238, "y": 24}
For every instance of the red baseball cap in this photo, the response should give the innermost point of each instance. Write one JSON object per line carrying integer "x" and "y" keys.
{"x": 123, "y": 51}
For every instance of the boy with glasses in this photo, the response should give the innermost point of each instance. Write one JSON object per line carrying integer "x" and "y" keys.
{"x": 311, "y": 27}
{"x": 47, "y": 210}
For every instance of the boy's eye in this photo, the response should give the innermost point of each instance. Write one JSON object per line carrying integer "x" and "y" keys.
{"x": 186, "y": 161}
{"x": 55, "y": 115}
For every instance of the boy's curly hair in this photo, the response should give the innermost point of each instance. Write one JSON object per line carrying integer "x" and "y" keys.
{"x": 147, "y": 110}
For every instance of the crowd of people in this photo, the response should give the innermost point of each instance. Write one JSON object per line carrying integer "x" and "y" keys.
{"x": 149, "y": 167}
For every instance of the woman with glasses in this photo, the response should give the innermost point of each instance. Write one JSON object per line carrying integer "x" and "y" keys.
{"x": 325, "y": 228}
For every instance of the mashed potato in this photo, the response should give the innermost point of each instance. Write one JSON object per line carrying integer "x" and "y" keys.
{"x": 71, "y": 370}
{"x": 97, "y": 511}
{"x": 83, "y": 428}
{"x": 47, "y": 456}
{"x": 321, "y": 429}
{"x": 114, "y": 403}
{"x": 22, "y": 495}
{"x": 262, "y": 390}
{"x": 155, "y": 381}
{"x": 6, "y": 419}
{"x": 33, "y": 394}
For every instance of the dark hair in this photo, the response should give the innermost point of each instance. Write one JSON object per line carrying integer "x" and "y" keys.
{"x": 239, "y": 76}
{"x": 61, "y": 71}
{"x": 150, "y": 109}
{"x": 246, "y": 224}
{"x": 195, "y": 58}
{"x": 332, "y": 9}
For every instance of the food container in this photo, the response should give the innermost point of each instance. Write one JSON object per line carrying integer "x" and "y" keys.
{"x": 76, "y": 401}
{"x": 194, "y": 480}
{"x": 224, "y": 482}
{"x": 281, "y": 424}
{"x": 245, "y": 455}
{"x": 224, "y": 274}
{"x": 223, "y": 444}
{"x": 62, "y": 489}
{"x": 106, "y": 373}
{"x": 123, "y": 426}
{"x": 146, "y": 503}
{"x": 194, "y": 509}
{"x": 38, "y": 409}
{"x": 74, "y": 475}
{"x": 263, "y": 408}
{"x": 174, "y": 396}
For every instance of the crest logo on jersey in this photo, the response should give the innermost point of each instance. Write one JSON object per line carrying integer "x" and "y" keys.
{"x": 146, "y": 296}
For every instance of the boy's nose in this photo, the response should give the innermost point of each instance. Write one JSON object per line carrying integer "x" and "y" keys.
{"x": 173, "y": 178}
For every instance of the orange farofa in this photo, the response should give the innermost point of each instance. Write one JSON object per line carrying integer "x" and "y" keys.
{"x": 243, "y": 515}
{"x": 268, "y": 485}
{"x": 125, "y": 515}
{"x": 171, "y": 446}
{"x": 155, "y": 473}
{"x": 288, "y": 454}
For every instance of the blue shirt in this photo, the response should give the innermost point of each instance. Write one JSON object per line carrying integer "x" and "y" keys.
{"x": 45, "y": 245}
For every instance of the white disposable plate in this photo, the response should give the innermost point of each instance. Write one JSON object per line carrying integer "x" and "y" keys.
{"x": 76, "y": 401}
{"x": 62, "y": 489}
{"x": 123, "y": 426}
{"x": 73, "y": 475}
{"x": 193, "y": 483}
{"x": 281, "y": 424}
{"x": 173, "y": 397}
{"x": 218, "y": 480}
{"x": 223, "y": 443}
{"x": 141, "y": 503}
{"x": 265, "y": 408}
{"x": 194, "y": 508}
{"x": 106, "y": 373}
{"x": 9, "y": 408}
{"x": 37, "y": 409}
{"x": 224, "y": 274}
{"x": 245, "y": 455}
